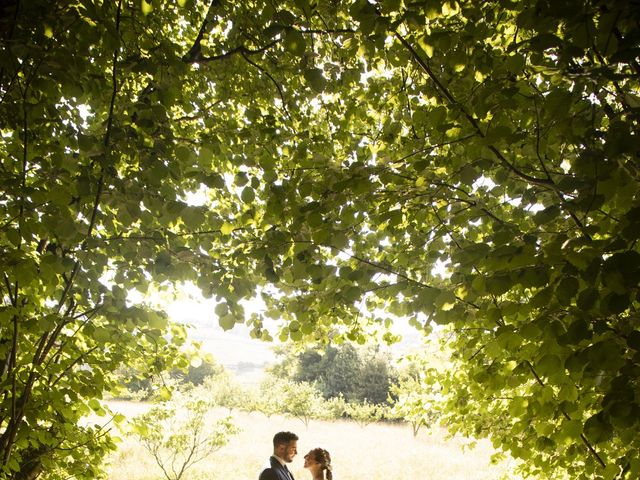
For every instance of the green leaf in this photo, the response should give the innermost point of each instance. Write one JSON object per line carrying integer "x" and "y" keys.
{"x": 294, "y": 42}
{"x": 573, "y": 429}
{"x": 241, "y": 179}
{"x": 214, "y": 180}
{"x": 248, "y": 195}
{"x": 316, "y": 79}
{"x": 164, "y": 393}
{"x": 633, "y": 340}
{"x": 498, "y": 284}
{"x": 285, "y": 17}
{"x": 227, "y": 322}
{"x": 226, "y": 228}
{"x": 542, "y": 298}
{"x": 597, "y": 430}
{"x": 547, "y": 215}
{"x": 587, "y": 298}
{"x": 549, "y": 365}
{"x": 146, "y": 7}
{"x": 183, "y": 153}
{"x": 558, "y": 103}
{"x": 157, "y": 320}
{"x": 577, "y": 331}
{"x": 615, "y": 304}
{"x": 566, "y": 290}
{"x": 221, "y": 309}
{"x": 621, "y": 271}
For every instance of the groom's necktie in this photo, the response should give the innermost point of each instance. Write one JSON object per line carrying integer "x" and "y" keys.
{"x": 288, "y": 472}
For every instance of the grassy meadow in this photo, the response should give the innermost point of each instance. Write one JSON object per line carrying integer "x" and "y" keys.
{"x": 376, "y": 452}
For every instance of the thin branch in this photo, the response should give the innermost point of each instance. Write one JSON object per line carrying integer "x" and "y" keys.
{"x": 195, "y": 52}
{"x": 432, "y": 147}
{"x": 12, "y": 295}
{"x": 235, "y": 51}
{"x": 474, "y": 123}
{"x": 106, "y": 141}
{"x": 566, "y": 415}
{"x": 280, "y": 92}
{"x": 478, "y": 352}
{"x": 312, "y": 31}
{"x": 72, "y": 364}
{"x": 62, "y": 346}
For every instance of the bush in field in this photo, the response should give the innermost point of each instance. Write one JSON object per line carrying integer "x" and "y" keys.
{"x": 364, "y": 413}
{"x": 410, "y": 409}
{"x": 223, "y": 391}
{"x": 334, "y": 408}
{"x": 303, "y": 400}
{"x": 267, "y": 398}
{"x": 179, "y": 433}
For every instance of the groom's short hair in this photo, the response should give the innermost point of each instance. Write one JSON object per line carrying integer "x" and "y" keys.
{"x": 284, "y": 438}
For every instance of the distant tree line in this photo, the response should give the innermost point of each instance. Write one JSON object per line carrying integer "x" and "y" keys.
{"x": 338, "y": 382}
{"x": 135, "y": 383}
{"x": 355, "y": 374}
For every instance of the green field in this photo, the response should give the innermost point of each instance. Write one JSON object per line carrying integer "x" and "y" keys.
{"x": 376, "y": 452}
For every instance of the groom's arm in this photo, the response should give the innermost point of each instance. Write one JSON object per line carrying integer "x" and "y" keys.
{"x": 268, "y": 474}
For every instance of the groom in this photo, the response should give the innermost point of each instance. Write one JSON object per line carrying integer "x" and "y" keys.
{"x": 284, "y": 449}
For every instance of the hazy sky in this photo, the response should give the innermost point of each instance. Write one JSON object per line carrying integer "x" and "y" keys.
{"x": 235, "y": 346}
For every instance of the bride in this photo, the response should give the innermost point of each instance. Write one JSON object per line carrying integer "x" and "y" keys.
{"x": 318, "y": 461}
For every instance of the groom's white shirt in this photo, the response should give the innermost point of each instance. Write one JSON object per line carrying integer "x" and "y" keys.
{"x": 268, "y": 462}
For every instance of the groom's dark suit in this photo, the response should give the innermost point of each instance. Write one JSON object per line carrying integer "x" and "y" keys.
{"x": 276, "y": 471}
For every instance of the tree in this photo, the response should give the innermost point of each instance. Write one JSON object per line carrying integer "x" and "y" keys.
{"x": 357, "y": 374}
{"x": 341, "y": 151}
{"x": 178, "y": 434}
{"x": 336, "y": 374}
{"x": 375, "y": 379}
{"x": 301, "y": 400}
{"x": 418, "y": 398}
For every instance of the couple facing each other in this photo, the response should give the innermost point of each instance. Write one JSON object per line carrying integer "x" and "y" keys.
{"x": 285, "y": 447}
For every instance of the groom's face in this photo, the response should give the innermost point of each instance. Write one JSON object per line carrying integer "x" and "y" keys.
{"x": 287, "y": 451}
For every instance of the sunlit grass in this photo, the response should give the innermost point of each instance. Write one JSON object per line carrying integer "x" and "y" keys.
{"x": 376, "y": 452}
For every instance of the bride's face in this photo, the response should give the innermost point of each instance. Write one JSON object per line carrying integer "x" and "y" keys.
{"x": 310, "y": 460}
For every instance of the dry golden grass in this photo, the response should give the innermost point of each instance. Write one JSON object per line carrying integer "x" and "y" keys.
{"x": 375, "y": 452}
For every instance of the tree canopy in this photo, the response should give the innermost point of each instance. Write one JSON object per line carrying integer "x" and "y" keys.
{"x": 326, "y": 156}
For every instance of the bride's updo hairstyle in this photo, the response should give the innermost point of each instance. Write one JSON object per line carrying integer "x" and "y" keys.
{"x": 324, "y": 459}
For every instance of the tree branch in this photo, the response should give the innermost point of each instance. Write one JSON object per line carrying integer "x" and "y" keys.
{"x": 195, "y": 52}
{"x": 474, "y": 123}
{"x": 280, "y": 92}
{"x": 566, "y": 415}
{"x": 235, "y": 51}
